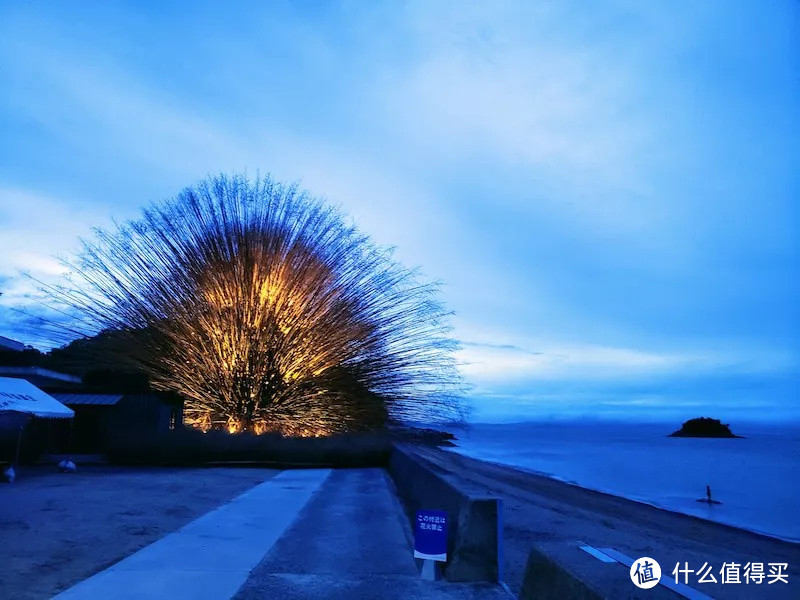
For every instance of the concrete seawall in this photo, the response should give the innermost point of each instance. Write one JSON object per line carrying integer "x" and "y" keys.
{"x": 474, "y": 541}
{"x": 546, "y": 579}
{"x": 563, "y": 570}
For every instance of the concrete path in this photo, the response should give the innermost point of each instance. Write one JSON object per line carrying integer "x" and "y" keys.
{"x": 302, "y": 534}
{"x": 352, "y": 541}
{"x": 211, "y": 557}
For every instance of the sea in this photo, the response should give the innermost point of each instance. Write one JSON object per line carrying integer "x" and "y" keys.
{"x": 756, "y": 478}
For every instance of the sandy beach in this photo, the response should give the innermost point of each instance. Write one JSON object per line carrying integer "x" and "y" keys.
{"x": 538, "y": 510}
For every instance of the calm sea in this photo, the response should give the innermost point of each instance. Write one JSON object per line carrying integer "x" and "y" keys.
{"x": 757, "y": 478}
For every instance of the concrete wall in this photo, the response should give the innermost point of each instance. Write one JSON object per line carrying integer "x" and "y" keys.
{"x": 186, "y": 446}
{"x": 546, "y": 579}
{"x": 474, "y": 525}
{"x": 559, "y": 570}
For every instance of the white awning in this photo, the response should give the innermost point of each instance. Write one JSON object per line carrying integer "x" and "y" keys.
{"x": 18, "y": 395}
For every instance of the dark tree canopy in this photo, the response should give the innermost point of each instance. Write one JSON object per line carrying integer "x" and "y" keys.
{"x": 704, "y": 427}
{"x": 266, "y": 312}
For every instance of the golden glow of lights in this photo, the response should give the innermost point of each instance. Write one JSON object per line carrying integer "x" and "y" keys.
{"x": 268, "y": 313}
{"x": 201, "y": 421}
{"x": 260, "y": 428}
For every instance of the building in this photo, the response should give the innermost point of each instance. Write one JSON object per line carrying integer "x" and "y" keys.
{"x": 21, "y": 402}
{"x": 100, "y": 418}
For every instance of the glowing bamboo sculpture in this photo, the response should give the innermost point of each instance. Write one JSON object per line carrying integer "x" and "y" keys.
{"x": 266, "y": 312}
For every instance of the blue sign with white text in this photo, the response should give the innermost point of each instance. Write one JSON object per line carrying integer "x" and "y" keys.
{"x": 430, "y": 535}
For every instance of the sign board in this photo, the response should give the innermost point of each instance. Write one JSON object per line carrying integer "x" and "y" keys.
{"x": 430, "y": 535}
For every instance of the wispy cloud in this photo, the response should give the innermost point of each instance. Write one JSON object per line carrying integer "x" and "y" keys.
{"x": 33, "y": 227}
{"x": 506, "y": 364}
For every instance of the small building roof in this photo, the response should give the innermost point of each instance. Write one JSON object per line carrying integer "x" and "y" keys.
{"x": 38, "y": 372}
{"x": 9, "y": 344}
{"x": 96, "y": 399}
{"x": 20, "y": 396}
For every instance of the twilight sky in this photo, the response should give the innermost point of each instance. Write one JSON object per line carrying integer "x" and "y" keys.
{"x": 610, "y": 194}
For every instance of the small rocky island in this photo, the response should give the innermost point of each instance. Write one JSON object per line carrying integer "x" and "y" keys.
{"x": 704, "y": 427}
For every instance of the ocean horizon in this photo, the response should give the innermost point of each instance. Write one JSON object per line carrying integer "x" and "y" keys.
{"x": 753, "y": 477}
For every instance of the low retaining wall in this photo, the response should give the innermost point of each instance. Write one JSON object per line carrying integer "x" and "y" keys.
{"x": 474, "y": 523}
{"x": 559, "y": 570}
{"x": 546, "y": 579}
{"x": 193, "y": 448}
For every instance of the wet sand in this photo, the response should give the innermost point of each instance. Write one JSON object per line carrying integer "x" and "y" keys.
{"x": 538, "y": 510}
{"x": 58, "y": 529}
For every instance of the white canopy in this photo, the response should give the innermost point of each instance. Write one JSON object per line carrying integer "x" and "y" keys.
{"x": 18, "y": 395}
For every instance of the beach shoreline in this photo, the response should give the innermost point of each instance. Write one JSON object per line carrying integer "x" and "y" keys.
{"x": 611, "y": 493}
{"x": 540, "y": 511}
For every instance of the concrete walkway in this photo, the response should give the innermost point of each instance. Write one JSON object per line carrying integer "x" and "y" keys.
{"x": 302, "y": 534}
{"x": 352, "y": 540}
{"x": 211, "y": 557}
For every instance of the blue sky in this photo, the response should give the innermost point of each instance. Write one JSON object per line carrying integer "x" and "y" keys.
{"x": 609, "y": 193}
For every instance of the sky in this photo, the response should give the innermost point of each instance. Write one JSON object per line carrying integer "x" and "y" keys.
{"x": 608, "y": 192}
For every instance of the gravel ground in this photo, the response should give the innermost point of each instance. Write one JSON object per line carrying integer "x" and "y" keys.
{"x": 57, "y": 529}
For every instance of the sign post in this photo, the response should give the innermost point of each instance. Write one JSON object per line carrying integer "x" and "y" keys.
{"x": 430, "y": 540}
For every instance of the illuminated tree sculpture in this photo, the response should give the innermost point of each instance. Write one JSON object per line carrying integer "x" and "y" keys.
{"x": 267, "y": 312}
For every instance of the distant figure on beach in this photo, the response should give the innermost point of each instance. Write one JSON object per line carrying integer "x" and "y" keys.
{"x": 708, "y": 499}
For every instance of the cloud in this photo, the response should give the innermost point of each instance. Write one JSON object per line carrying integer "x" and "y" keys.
{"x": 531, "y": 102}
{"x": 34, "y": 227}
{"x": 507, "y": 362}
{"x": 517, "y": 88}
{"x": 509, "y": 347}
{"x": 504, "y": 366}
